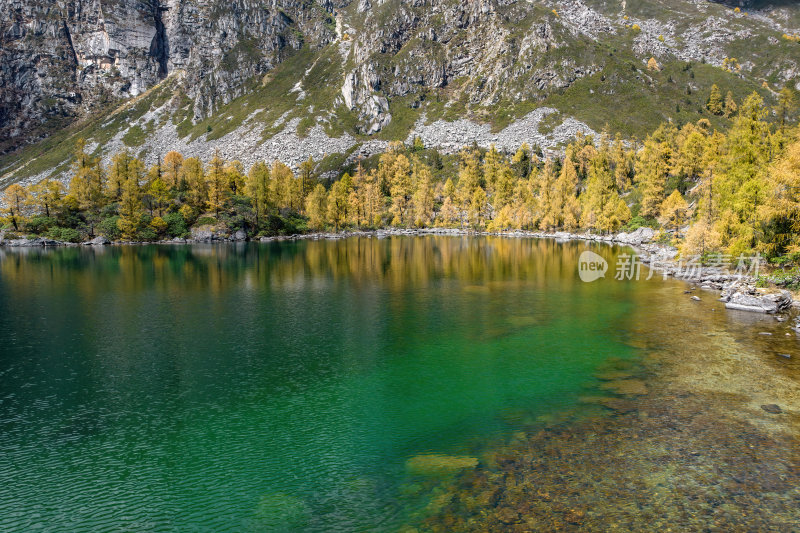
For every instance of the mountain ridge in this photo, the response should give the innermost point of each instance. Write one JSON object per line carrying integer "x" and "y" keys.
{"x": 372, "y": 73}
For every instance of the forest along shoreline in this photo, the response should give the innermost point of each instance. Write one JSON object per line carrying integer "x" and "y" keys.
{"x": 739, "y": 290}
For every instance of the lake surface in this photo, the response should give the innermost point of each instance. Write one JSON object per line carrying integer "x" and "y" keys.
{"x": 289, "y": 386}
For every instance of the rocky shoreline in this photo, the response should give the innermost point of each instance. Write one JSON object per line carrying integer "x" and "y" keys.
{"x": 738, "y": 289}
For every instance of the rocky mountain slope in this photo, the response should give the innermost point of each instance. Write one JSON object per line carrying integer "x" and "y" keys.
{"x": 287, "y": 79}
{"x": 63, "y": 59}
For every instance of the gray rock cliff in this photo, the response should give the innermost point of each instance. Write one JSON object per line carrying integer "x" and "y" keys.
{"x": 62, "y": 59}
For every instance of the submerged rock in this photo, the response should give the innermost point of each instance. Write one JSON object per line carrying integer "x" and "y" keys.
{"x": 508, "y": 516}
{"x": 626, "y": 387}
{"x": 620, "y": 405}
{"x": 618, "y": 473}
{"x": 432, "y": 465}
{"x": 612, "y": 375}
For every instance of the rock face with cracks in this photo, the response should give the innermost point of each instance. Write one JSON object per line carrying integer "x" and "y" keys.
{"x": 67, "y": 59}
{"x": 63, "y": 59}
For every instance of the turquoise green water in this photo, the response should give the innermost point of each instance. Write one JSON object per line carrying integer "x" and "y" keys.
{"x": 279, "y": 386}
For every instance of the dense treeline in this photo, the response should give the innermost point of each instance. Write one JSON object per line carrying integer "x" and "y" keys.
{"x": 731, "y": 192}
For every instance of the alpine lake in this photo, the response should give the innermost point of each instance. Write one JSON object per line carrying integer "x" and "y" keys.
{"x": 432, "y": 383}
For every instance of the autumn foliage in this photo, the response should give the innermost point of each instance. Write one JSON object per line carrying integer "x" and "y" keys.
{"x": 707, "y": 190}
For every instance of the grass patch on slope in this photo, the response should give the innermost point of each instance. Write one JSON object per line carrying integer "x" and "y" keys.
{"x": 277, "y": 94}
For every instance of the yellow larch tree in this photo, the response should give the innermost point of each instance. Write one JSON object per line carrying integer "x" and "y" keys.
{"x": 316, "y": 207}
{"x": 15, "y": 198}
